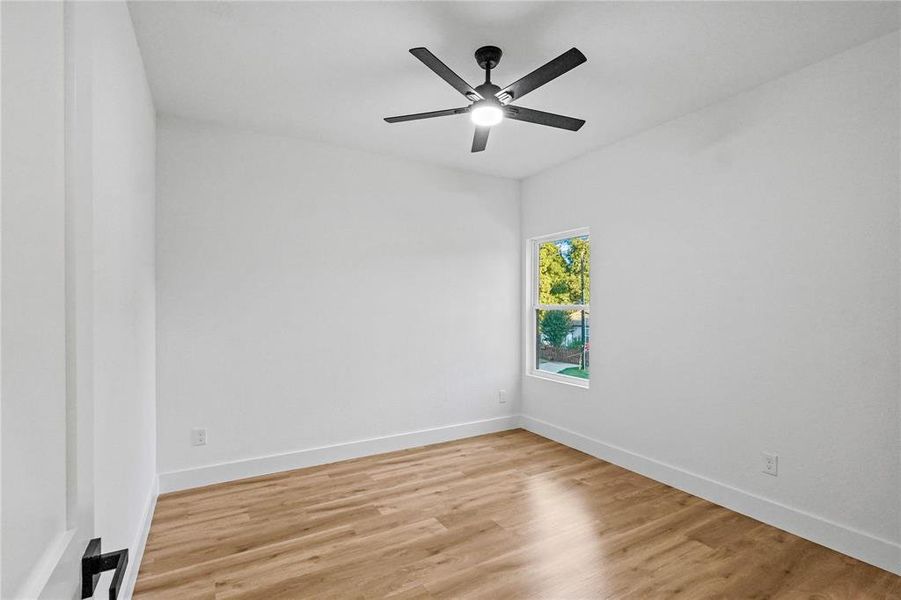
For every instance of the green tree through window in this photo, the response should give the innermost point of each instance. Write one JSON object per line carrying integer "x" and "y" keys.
{"x": 564, "y": 268}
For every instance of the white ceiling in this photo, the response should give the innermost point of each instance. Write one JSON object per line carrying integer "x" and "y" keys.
{"x": 330, "y": 71}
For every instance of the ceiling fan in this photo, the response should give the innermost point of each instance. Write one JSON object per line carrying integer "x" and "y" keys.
{"x": 490, "y": 103}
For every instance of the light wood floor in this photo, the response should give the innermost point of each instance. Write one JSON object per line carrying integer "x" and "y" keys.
{"x": 507, "y": 515}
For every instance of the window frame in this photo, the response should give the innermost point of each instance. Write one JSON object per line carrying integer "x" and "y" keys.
{"x": 532, "y": 305}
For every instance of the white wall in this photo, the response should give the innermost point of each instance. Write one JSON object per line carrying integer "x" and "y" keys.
{"x": 124, "y": 147}
{"x": 309, "y": 295}
{"x": 33, "y": 289}
{"x": 745, "y": 273}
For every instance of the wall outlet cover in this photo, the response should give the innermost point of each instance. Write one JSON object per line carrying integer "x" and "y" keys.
{"x": 198, "y": 437}
{"x": 770, "y": 464}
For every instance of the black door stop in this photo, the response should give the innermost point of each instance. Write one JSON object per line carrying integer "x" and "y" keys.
{"x": 93, "y": 563}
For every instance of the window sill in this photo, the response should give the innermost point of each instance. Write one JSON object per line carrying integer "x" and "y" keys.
{"x": 565, "y": 380}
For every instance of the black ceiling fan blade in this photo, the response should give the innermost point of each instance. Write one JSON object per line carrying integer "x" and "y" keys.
{"x": 570, "y": 59}
{"x": 445, "y": 73}
{"x": 428, "y": 115}
{"x": 520, "y": 113}
{"x": 480, "y": 138}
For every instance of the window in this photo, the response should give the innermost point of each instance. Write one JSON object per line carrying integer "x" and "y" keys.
{"x": 558, "y": 307}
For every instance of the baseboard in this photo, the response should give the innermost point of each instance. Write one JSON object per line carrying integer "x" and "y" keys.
{"x": 134, "y": 561}
{"x": 264, "y": 465}
{"x": 862, "y": 546}
{"x": 46, "y": 569}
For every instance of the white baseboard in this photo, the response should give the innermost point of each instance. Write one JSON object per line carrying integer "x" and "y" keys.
{"x": 264, "y": 465}
{"x": 134, "y": 561}
{"x": 862, "y": 546}
{"x": 42, "y": 574}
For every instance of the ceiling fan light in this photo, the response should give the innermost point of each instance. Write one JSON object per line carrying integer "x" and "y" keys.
{"x": 486, "y": 115}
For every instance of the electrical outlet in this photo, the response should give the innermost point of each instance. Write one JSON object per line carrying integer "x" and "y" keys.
{"x": 198, "y": 437}
{"x": 502, "y": 396}
{"x": 771, "y": 464}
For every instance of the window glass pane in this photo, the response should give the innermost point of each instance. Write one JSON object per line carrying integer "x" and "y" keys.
{"x": 563, "y": 271}
{"x": 559, "y": 342}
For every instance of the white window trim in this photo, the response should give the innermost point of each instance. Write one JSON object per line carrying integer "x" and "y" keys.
{"x": 531, "y": 305}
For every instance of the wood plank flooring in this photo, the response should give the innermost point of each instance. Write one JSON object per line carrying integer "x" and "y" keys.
{"x": 506, "y": 515}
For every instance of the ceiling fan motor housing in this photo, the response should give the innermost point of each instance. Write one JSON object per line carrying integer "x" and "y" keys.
{"x": 488, "y": 90}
